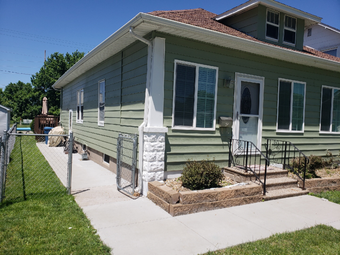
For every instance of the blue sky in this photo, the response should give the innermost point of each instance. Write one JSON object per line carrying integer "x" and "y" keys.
{"x": 29, "y": 27}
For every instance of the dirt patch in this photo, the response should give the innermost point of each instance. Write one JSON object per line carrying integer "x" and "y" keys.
{"x": 176, "y": 184}
{"x": 322, "y": 173}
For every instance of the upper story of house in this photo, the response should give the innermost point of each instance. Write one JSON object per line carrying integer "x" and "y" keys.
{"x": 270, "y": 21}
{"x": 323, "y": 38}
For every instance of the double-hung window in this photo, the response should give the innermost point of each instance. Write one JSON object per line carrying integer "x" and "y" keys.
{"x": 195, "y": 92}
{"x": 80, "y": 106}
{"x": 330, "y": 110}
{"x": 101, "y": 102}
{"x": 272, "y": 25}
{"x": 291, "y": 106}
{"x": 289, "y": 30}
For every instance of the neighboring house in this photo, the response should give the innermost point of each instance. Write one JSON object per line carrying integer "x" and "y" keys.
{"x": 170, "y": 75}
{"x": 323, "y": 38}
{"x": 5, "y": 117}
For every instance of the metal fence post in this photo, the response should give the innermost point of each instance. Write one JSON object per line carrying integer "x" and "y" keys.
{"x": 2, "y": 164}
{"x": 69, "y": 163}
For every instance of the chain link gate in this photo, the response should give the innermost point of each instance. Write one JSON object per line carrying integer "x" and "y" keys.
{"x": 126, "y": 163}
{"x": 33, "y": 170}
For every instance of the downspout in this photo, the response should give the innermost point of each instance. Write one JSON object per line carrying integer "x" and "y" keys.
{"x": 146, "y": 110}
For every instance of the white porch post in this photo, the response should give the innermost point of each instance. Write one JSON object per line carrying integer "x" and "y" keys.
{"x": 154, "y": 132}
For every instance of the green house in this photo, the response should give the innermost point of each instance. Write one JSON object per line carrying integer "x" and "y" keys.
{"x": 188, "y": 81}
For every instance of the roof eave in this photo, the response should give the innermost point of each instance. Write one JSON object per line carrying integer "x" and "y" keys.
{"x": 196, "y": 33}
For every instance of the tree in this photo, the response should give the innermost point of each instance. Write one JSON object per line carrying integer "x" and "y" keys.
{"x": 54, "y": 67}
{"x": 21, "y": 98}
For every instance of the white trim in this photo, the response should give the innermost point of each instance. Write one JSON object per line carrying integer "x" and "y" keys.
{"x": 156, "y": 93}
{"x": 273, "y": 24}
{"x": 331, "y": 118}
{"x": 239, "y": 77}
{"x": 80, "y": 93}
{"x": 101, "y": 122}
{"x": 148, "y": 23}
{"x": 291, "y": 107}
{"x": 193, "y": 127}
{"x": 289, "y": 29}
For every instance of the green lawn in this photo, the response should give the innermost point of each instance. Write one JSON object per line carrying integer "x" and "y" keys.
{"x": 38, "y": 217}
{"x": 320, "y": 239}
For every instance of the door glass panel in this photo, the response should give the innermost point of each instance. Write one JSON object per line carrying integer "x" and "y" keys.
{"x": 248, "y": 130}
{"x": 249, "y": 111}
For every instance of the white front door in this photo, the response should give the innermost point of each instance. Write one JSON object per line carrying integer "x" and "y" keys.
{"x": 248, "y": 108}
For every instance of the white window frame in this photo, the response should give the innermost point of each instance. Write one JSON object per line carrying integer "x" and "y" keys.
{"x": 330, "y": 127}
{"x": 101, "y": 122}
{"x": 273, "y": 24}
{"x": 290, "y": 29}
{"x": 291, "y": 107}
{"x": 193, "y": 127}
{"x": 105, "y": 162}
{"x": 80, "y": 117}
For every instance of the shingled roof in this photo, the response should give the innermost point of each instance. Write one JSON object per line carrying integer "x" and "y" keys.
{"x": 205, "y": 19}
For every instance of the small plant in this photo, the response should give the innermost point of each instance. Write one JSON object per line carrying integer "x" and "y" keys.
{"x": 198, "y": 175}
{"x": 298, "y": 166}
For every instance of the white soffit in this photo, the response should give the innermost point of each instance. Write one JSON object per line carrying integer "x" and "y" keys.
{"x": 310, "y": 19}
{"x": 145, "y": 23}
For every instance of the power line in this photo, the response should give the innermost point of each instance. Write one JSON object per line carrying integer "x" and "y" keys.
{"x": 11, "y": 52}
{"x": 7, "y": 71}
{"x": 45, "y": 38}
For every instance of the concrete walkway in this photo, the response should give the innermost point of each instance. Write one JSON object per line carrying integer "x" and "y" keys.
{"x": 140, "y": 227}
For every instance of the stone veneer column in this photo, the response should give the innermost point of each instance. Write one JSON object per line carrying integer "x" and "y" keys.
{"x": 153, "y": 158}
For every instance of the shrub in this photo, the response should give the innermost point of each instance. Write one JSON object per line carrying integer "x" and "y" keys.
{"x": 315, "y": 162}
{"x": 32, "y": 126}
{"x": 199, "y": 175}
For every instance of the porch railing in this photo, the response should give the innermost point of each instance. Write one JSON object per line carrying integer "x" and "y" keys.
{"x": 289, "y": 156}
{"x": 245, "y": 155}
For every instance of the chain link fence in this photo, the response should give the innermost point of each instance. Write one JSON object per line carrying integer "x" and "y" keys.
{"x": 126, "y": 163}
{"x": 32, "y": 169}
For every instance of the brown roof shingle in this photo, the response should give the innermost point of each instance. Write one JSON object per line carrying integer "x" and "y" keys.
{"x": 205, "y": 19}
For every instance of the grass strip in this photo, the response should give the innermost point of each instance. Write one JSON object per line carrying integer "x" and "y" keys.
{"x": 320, "y": 239}
{"x": 333, "y": 196}
{"x": 37, "y": 216}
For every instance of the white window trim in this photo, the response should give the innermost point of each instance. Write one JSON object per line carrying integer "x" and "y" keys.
{"x": 195, "y": 101}
{"x": 290, "y": 29}
{"x": 291, "y": 107}
{"x": 107, "y": 163}
{"x": 330, "y": 128}
{"x": 78, "y": 119}
{"x": 101, "y": 123}
{"x": 273, "y": 24}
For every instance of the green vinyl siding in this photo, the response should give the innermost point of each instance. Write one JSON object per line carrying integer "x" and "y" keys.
{"x": 125, "y": 79}
{"x": 183, "y": 145}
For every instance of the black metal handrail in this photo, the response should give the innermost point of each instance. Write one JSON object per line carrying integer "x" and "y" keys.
{"x": 285, "y": 153}
{"x": 245, "y": 155}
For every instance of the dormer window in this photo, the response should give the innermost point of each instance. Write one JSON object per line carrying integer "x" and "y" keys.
{"x": 272, "y": 25}
{"x": 289, "y": 32}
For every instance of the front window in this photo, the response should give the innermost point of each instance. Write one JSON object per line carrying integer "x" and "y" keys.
{"x": 272, "y": 25}
{"x": 291, "y": 106}
{"x": 101, "y": 102}
{"x": 330, "y": 110}
{"x": 289, "y": 31}
{"x": 195, "y": 91}
{"x": 80, "y": 106}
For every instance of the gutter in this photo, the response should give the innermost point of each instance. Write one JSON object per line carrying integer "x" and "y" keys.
{"x": 146, "y": 110}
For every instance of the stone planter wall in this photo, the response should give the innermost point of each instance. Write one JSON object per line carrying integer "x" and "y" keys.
{"x": 179, "y": 203}
{"x": 321, "y": 184}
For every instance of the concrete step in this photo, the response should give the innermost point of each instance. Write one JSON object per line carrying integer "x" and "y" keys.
{"x": 283, "y": 193}
{"x": 281, "y": 183}
{"x": 240, "y": 175}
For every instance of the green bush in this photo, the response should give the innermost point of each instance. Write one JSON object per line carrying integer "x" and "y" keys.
{"x": 32, "y": 126}
{"x": 199, "y": 175}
